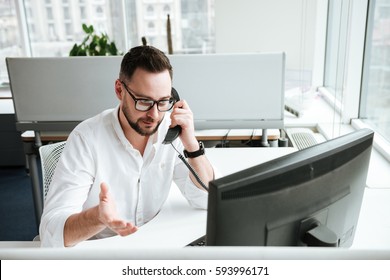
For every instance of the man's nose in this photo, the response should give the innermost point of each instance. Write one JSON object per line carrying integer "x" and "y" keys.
{"x": 153, "y": 112}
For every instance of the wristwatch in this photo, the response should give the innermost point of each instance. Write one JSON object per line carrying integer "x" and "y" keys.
{"x": 196, "y": 153}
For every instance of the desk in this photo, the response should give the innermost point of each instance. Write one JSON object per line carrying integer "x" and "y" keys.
{"x": 225, "y": 161}
{"x": 236, "y": 134}
{"x": 373, "y": 231}
{"x": 178, "y": 224}
{"x": 203, "y": 135}
{"x": 178, "y": 220}
{"x": 371, "y": 240}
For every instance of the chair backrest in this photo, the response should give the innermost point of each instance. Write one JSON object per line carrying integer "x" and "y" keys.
{"x": 50, "y": 154}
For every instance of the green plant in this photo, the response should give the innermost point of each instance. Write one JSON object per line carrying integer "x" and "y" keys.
{"x": 94, "y": 45}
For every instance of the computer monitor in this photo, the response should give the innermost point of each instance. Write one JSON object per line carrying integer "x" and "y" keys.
{"x": 311, "y": 197}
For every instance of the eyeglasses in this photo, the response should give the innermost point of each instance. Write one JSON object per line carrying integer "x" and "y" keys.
{"x": 144, "y": 105}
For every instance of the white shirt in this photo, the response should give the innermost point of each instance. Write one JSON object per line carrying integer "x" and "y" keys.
{"x": 97, "y": 151}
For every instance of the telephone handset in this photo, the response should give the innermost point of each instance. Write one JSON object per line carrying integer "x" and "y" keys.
{"x": 173, "y": 132}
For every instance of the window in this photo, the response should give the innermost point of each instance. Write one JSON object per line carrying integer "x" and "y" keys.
{"x": 29, "y": 13}
{"x": 150, "y": 11}
{"x": 50, "y": 28}
{"x": 375, "y": 101}
{"x": 197, "y": 37}
{"x": 66, "y": 13}
{"x": 68, "y": 30}
{"x": 83, "y": 14}
{"x": 151, "y": 27}
{"x": 10, "y": 41}
{"x": 99, "y": 11}
{"x": 52, "y": 32}
{"x": 167, "y": 9}
{"x": 337, "y": 35}
{"x": 49, "y": 13}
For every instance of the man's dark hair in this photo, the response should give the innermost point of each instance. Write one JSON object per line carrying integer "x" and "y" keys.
{"x": 148, "y": 58}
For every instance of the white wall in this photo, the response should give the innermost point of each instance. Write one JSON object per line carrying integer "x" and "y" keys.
{"x": 268, "y": 26}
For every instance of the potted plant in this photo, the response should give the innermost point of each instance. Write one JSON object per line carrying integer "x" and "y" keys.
{"x": 94, "y": 45}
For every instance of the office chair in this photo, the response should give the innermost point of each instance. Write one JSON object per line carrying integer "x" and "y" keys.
{"x": 50, "y": 154}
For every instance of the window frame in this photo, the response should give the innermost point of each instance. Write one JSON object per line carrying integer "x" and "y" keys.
{"x": 350, "y": 74}
{"x": 352, "y": 107}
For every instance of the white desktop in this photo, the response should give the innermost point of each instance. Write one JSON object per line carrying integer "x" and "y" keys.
{"x": 178, "y": 224}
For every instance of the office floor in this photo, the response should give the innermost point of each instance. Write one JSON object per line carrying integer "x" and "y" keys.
{"x": 17, "y": 218}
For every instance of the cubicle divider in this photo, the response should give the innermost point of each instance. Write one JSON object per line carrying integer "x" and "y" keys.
{"x": 225, "y": 91}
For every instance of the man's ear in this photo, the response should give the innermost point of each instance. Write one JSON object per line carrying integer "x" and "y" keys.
{"x": 118, "y": 89}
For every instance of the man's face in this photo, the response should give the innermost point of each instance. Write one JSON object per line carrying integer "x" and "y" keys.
{"x": 150, "y": 86}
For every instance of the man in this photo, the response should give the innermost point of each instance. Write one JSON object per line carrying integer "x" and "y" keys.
{"x": 114, "y": 174}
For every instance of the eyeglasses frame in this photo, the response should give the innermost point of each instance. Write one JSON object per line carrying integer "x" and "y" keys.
{"x": 145, "y": 99}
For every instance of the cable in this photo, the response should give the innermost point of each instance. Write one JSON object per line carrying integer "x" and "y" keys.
{"x": 190, "y": 169}
{"x": 224, "y": 139}
{"x": 249, "y": 141}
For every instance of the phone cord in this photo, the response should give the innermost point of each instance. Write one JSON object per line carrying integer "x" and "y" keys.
{"x": 191, "y": 169}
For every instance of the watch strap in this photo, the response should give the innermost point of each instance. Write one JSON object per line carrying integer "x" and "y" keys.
{"x": 195, "y": 153}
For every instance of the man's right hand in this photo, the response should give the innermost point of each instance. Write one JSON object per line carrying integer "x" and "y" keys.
{"x": 108, "y": 214}
{"x": 82, "y": 226}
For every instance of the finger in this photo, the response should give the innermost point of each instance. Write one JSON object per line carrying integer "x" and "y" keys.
{"x": 174, "y": 117}
{"x": 123, "y": 228}
{"x": 129, "y": 229}
{"x": 182, "y": 104}
{"x": 104, "y": 188}
{"x": 103, "y": 191}
{"x": 179, "y": 115}
{"x": 117, "y": 224}
{"x": 178, "y": 104}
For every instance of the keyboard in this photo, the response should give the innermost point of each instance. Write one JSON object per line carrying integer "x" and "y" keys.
{"x": 201, "y": 241}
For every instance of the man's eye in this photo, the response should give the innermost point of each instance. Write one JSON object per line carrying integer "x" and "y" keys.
{"x": 164, "y": 102}
{"x": 146, "y": 102}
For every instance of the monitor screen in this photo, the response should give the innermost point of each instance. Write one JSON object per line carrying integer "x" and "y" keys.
{"x": 311, "y": 197}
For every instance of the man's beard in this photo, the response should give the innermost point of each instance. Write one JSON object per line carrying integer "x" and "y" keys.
{"x": 135, "y": 125}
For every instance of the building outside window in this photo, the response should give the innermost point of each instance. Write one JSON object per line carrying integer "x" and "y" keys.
{"x": 10, "y": 40}
{"x": 52, "y": 27}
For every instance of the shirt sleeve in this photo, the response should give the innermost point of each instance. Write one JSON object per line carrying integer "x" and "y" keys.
{"x": 68, "y": 190}
{"x": 196, "y": 197}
